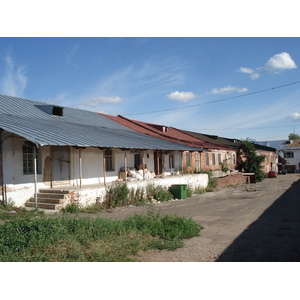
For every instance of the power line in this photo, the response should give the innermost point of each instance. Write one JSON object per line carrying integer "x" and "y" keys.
{"x": 215, "y": 101}
{"x": 267, "y": 127}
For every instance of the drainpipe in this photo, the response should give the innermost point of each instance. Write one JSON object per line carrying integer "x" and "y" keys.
{"x": 35, "y": 175}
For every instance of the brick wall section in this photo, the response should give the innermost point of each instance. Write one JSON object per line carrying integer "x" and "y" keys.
{"x": 232, "y": 179}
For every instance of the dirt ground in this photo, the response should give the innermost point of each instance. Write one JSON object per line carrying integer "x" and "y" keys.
{"x": 254, "y": 222}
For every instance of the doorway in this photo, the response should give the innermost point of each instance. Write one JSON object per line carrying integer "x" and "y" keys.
{"x": 60, "y": 165}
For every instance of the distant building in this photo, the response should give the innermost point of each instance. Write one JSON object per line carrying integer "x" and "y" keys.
{"x": 290, "y": 152}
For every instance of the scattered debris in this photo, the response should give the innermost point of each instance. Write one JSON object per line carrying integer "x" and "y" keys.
{"x": 251, "y": 189}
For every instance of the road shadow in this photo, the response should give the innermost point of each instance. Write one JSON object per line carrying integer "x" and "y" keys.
{"x": 274, "y": 236}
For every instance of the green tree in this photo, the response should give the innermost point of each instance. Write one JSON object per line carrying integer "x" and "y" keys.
{"x": 294, "y": 136}
{"x": 252, "y": 162}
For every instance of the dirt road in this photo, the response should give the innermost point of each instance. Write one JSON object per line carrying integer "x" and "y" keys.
{"x": 256, "y": 222}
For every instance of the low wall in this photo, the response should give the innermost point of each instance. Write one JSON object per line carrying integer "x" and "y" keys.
{"x": 89, "y": 196}
{"x": 19, "y": 194}
{"x": 232, "y": 179}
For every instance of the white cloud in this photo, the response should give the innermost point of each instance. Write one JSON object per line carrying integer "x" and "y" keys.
{"x": 181, "y": 96}
{"x": 280, "y": 62}
{"x": 246, "y": 70}
{"x": 227, "y": 90}
{"x": 275, "y": 64}
{"x": 96, "y": 101}
{"x": 253, "y": 74}
{"x": 14, "y": 82}
{"x": 295, "y": 116}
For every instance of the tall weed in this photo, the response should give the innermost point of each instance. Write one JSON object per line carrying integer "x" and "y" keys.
{"x": 158, "y": 192}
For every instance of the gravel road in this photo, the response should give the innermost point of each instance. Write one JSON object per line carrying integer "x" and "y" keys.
{"x": 255, "y": 222}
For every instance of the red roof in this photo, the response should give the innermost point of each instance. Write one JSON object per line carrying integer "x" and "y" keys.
{"x": 165, "y": 132}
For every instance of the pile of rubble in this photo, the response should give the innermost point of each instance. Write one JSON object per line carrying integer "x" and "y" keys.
{"x": 139, "y": 175}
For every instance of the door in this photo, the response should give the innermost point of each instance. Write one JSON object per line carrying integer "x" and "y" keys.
{"x": 60, "y": 165}
{"x": 137, "y": 160}
{"x": 197, "y": 162}
{"x": 157, "y": 162}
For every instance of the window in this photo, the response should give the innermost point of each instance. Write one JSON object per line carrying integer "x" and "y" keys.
{"x": 108, "y": 155}
{"x": 188, "y": 159}
{"x": 220, "y": 158}
{"x": 213, "y": 159}
{"x": 28, "y": 159}
{"x": 207, "y": 159}
{"x": 288, "y": 154}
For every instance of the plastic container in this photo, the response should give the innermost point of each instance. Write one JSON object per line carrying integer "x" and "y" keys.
{"x": 179, "y": 191}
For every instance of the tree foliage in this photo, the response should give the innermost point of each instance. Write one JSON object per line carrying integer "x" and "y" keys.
{"x": 252, "y": 162}
{"x": 294, "y": 136}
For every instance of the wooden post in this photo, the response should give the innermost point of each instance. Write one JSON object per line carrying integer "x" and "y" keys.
{"x": 35, "y": 175}
{"x": 104, "y": 169}
{"x": 181, "y": 163}
{"x": 125, "y": 164}
{"x": 143, "y": 165}
{"x": 157, "y": 162}
{"x": 80, "y": 168}
{"x": 1, "y": 167}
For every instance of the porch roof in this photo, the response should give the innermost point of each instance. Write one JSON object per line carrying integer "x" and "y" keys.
{"x": 36, "y": 122}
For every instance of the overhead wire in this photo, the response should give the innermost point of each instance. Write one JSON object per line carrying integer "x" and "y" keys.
{"x": 243, "y": 128}
{"x": 215, "y": 101}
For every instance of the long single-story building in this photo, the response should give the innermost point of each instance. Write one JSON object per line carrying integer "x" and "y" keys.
{"x": 45, "y": 146}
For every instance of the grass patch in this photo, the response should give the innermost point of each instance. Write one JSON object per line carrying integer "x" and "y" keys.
{"x": 73, "y": 239}
{"x": 13, "y": 213}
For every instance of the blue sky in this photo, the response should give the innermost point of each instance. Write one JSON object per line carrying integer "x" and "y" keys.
{"x": 157, "y": 79}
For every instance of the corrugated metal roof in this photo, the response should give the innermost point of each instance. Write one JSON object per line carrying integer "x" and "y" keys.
{"x": 33, "y": 121}
{"x": 290, "y": 144}
{"x": 155, "y": 130}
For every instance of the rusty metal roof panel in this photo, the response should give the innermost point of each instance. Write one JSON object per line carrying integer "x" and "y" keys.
{"x": 34, "y": 121}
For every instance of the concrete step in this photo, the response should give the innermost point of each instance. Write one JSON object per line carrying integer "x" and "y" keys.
{"x": 47, "y": 200}
{"x": 45, "y": 205}
{"x": 50, "y": 199}
{"x": 46, "y": 191}
{"x": 53, "y": 196}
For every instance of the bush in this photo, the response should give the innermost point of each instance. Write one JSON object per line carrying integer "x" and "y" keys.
{"x": 116, "y": 195}
{"x": 189, "y": 191}
{"x": 71, "y": 209}
{"x": 212, "y": 182}
{"x": 158, "y": 192}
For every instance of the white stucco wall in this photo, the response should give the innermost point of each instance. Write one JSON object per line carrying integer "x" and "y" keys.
{"x": 90, "y": 195}
{"x": 19, "y": 187}
{"x": 292, "y": 161}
